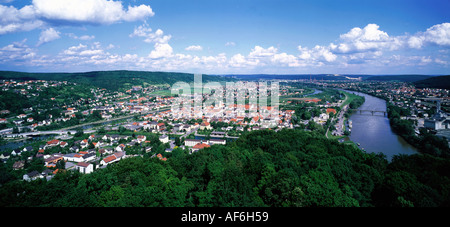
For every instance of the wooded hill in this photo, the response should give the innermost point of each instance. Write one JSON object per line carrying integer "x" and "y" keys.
{"x": 289, "y": 168}
{"x": 442, "y": 82}
{"x": 112, "y": 80}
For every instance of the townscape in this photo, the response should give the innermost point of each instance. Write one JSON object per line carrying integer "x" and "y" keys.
{"x": 137, "y": 122}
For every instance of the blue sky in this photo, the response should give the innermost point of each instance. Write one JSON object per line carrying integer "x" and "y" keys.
{"x": 227, "y": 36}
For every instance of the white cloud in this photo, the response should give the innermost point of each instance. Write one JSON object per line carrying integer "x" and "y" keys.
{"x": 369, "y": 38}
{"x": 89, "y": 11}
{"x": 232, "y": 44}
{"x": 57, "y": 12}
{"x": 318, "y": 53}
{"x": 161, "y": 50}
{"x": 194, "y": 48}
{"x": 14, "y": 20}
{"x": 259, "y": 52}
{"x": 150, "y": 37}
{"x": 48, "y": 35}
{"x": 83, "y": 37}
{"x": 438, "y": 34}
{"x": 17, "y": 52}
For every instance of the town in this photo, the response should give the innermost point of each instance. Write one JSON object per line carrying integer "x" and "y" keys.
{"x": 88, "y": 128}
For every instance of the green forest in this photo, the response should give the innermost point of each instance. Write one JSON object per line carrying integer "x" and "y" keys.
{"x": 288, "y": 168}
{"x": 112, "y": 80}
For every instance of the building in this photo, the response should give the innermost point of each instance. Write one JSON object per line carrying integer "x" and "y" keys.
{"x": 199, "y": 146}
{"x": 84, "y": 167}
{"x": 32, "y": 176}
{"x": 164, "y": 139}
{"x": 217, "y": 141}
{"x": 191, "y": 142}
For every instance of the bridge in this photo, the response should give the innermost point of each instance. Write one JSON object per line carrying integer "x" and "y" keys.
{"x": 373, "y": 112}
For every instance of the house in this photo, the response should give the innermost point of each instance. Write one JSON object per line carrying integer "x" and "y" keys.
{"x": 74, "y": 157}
{"x": 141, "y": 138}
{"x": 51, "y": 161}
{"x": 217, "y": 141}
{"x": 205, "y": 125}
{"x": 331, "y": 110}
{"x": 199, "y": 146}
{"x": 18, "y": 165}
{"x": 108, "y": 160}
{"x": 88, "y": 157}
{"x": 84, "y": 167}
{"x": 74, "y": 149}
{"x": 120, "y": 148}
{"x": 4, "y": 155}
{"x": 63, "y": 144}
{"x": 32, "y": 176}
{"x": 164, "y": 139}
{"x": 29, "y": 148}
{"x": 52, "y": 143}
{"x": 3, "y": 121}
{"x": 84, "y": 143}
{"x": 16, "y": 152}
{"x": 191, "y": 142}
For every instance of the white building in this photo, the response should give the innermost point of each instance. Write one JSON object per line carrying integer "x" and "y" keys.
{"x": 164, "y": 139}
{"x": 84, "y": 167}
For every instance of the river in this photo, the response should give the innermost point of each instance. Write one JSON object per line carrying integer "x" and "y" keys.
{"x": 374, "y": 133}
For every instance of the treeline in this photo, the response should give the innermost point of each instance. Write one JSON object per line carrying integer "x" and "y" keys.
{"x": 424, "y": 141}
{"x": 13, "y": 102}
{"x": 112, "y": 80}
{"x": 289, "y": 168}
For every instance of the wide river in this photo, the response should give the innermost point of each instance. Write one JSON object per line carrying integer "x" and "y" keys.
{"x": 374, "y": 133}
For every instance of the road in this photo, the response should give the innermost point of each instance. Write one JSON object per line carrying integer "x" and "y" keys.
{"x": 340, "y": 118}
{"x": 66, "y": 130}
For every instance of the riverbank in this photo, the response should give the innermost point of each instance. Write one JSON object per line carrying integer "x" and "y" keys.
{"x": 374, "y": 132}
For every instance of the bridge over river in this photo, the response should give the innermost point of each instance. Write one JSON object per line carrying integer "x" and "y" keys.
{"x": 373, "y": 112}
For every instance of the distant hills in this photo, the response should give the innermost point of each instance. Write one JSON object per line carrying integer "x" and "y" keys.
{"x": 402, "y": 78}
{"x": 121, "y": 79}
{"x": 442, "y": 82}
{"x": 295, "y": 76}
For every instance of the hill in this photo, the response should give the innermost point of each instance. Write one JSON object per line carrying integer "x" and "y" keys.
{"x": 288, "y": 168}
{"x": 402, "y": 78}
{"x": 442, "y": 82}
{"x": 295, "y": 76}
{"x": 113, "y": 80}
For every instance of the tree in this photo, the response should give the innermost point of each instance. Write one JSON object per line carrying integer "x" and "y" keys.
{"x": 79, "y": 132}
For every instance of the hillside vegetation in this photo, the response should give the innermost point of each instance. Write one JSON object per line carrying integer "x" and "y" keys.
{"x": 402, "y": 78}
{"x": 289, "y": 168}
{"x": 112, "y": 80}
{"x": 442, "y": 82}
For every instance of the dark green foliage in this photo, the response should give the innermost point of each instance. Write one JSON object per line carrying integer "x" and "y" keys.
{"x": 403, "y": 78}
{"x": 289, "y": 168}
{"x": 112, "y": 80}
{"x": 442, "y": 82}
{"x": 13, "y": 102}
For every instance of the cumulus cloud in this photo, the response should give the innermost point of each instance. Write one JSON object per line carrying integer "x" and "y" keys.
{"x": 232, "y": 44}
{"x": 369, "y": 38}
{"x": 89, "y": 11}
{"x": 150, "y": 37}
{"x": 438, "y": 34}
{"x": 318, "y": 53}
{"x": 259, "y": 52}
{"x": 194, "y": 48}
{"x": 48, "y": 35}
{"x": 57, "y": 12}
{"x": 14, "y": 20}
{"x": 162, "y": 50}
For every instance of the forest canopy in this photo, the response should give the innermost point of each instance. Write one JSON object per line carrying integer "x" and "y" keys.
{"x": 288, "y": 168}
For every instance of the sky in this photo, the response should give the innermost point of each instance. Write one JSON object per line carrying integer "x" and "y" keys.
{"x": 227, "y": 36}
